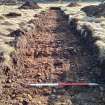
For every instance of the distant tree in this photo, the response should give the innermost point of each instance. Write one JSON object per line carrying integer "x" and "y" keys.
{"x": 103, "y": 1}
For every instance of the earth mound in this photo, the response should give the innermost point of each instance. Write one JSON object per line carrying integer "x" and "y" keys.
{"x": 73, "y": 4}
{"x": 29, "y": 5}
{"x": 12, "y": 14}
{"x": 9, "y": 2}
{"x": 95, "y": 10}
{"x": 55, "y": 8}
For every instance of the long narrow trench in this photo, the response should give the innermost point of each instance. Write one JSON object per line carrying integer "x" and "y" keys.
{"x": 50, "y": 53}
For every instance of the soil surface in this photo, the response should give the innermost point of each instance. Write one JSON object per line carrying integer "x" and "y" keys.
{"x": 51, "y": 53}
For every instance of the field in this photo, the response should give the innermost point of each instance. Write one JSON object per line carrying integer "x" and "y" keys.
{"x": 51, "y": 45}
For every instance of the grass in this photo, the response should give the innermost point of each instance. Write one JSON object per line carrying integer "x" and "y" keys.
{"x": 6, "y": 49}
{"x": 97, "y": 26}
{"x": 9, "y": 24}
{"x": 101, "y": 47}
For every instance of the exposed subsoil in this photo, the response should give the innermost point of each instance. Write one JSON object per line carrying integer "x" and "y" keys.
{"x": 51, "y": 53}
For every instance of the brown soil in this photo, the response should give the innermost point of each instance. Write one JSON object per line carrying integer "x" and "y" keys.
{"x": 30, "y": 5}
{"x": 95, "y": 10}
{"x": 50, "y": 53}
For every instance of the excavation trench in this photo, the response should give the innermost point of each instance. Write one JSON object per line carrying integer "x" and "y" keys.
{"x": 50, "y": 53}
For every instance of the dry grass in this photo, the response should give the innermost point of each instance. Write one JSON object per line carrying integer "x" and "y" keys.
{"x": 97, "y": 26}
{"x": 8, "y": 25}
{"x": 101, "y": 46}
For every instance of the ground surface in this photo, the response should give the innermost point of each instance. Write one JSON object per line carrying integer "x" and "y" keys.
{"x": 8, "y": 25}
{"x": 50, "y": 53}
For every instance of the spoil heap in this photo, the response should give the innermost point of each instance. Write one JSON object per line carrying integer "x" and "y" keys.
{"x": 73, "y": 4}
{"x": 29, "y": 5}
{"x": 95, "y": 10}
{"x": 12, "y": 15}
{"x": 9, "y": 2}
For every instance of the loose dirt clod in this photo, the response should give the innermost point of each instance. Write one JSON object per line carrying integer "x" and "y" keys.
{"x": 12, "y": 15}
{"x": 29, "y": 5}
{"x": 55, "y": 8}
{"x": 16, "y": 33}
